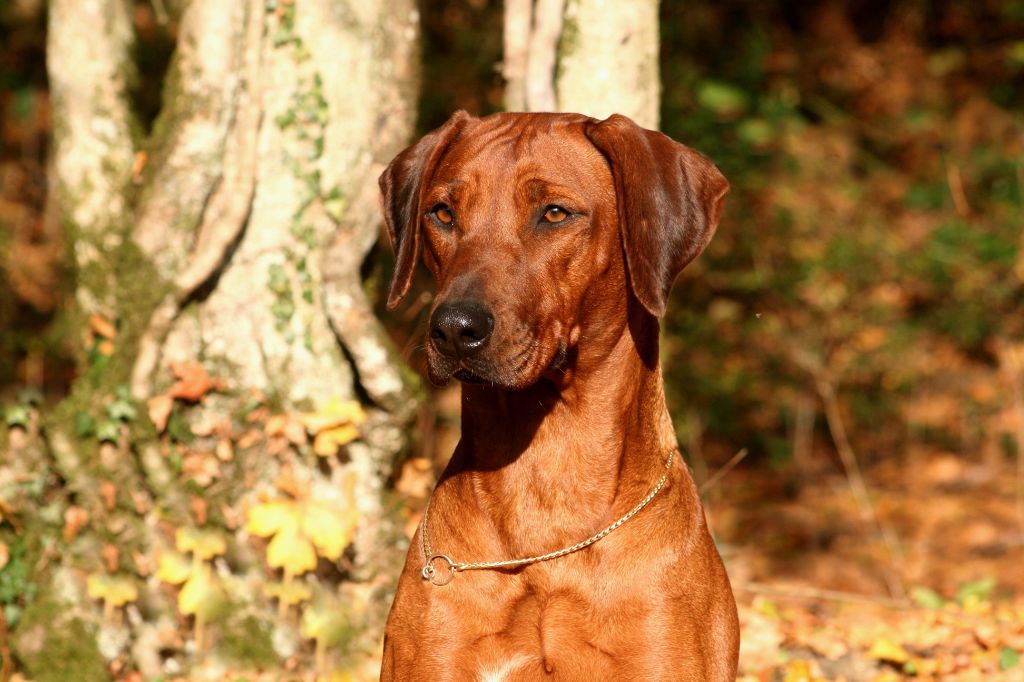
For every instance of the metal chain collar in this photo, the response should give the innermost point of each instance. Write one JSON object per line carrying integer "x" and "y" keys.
{"x": 443, "y": 578}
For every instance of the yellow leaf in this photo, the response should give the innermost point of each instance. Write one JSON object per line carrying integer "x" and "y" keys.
{"x": 324, "y": 622}
{"x": 334, "y": 412}
{"x": 173, "y": 568}
{"x": 884, "y": 649}
{"x": 290, "y": 593}
{"x": 114, "y": 590}
{"x": 327, "y": 442}
{"x": 291, "y": 551}
{"x": 205, "y": 544}
{"x": 271, "y": 517}
{"x": 200, "y": 595}
{"x": 329, "y": 527}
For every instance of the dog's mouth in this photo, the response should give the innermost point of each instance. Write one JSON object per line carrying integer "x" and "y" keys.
{"x": 467, "y": 377}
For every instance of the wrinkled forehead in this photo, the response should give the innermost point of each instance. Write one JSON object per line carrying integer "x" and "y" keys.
{"x": 547, "y": 147}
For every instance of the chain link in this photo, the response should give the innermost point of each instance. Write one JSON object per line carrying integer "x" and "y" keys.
{"x": 429, "y": 557}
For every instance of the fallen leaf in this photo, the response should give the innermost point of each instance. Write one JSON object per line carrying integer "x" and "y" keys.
{"x": 327, "y": 442}
{"x": 334, "y": 412}
{"x": 199, "y": 507}
{"x": 5, "y": 554}
{"x": 74, "y": 519}
{"x": 108, "y": 491}
{"x": 193, "y": 381}
{"x": 200, "y": 467}
{"x": 885, "y": 649}
{"x": 225, "y": 452}
{"x": 101, "y": 326}
{"x": 111, "y": 557}
{"x": 159, "y": 408}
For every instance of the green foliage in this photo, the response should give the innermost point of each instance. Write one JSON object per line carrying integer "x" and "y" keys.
{"x": 16, "y": 584}
{"x": 1008, "y": 658}
{"x": 873, "y": 224}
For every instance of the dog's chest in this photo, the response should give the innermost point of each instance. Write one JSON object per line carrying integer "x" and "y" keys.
{"x": 558, "y": 634}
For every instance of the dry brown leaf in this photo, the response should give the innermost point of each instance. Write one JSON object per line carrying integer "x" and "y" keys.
{"x": 249, "y": 439}
{"x": 144, "y": 563}
{"x": 100, "y": 326}
{"x": 159, "y": 408}
{"x": 74, "y": 519}
{"x": 199, "y": 507}
{"x": 225, "y": 451}
{"x": 193, "y": 381}
{"x": 5, "y": 554}
{"x": 108, "y": 491}
{"x": 111, "y": 557}
{"x": 200, "y": 467}
{"x": 275, "y": 425}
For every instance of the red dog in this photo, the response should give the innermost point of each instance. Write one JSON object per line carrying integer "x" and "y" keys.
{"x": 565, "y": 540}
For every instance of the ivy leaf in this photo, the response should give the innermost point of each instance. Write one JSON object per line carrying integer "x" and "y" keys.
{"x": 108, "y": 430}
{"x": 201, "y": 595}
{"x": 291, "y": 551}
{"x": 1008, "y": 658}
{"x": 323, "y": 621}
{"x": 327, "y": 442}
{"x": 204, "y": 544}
{"x": 332, "y": 413}
{"x": 329, "y": 527}
{"x": 174, "y": 568}
{"x": 113, "y": 590}
{"x": 17, "y": 415}
{"x": 270, "y": 517}
{"x": 290, "y": 593}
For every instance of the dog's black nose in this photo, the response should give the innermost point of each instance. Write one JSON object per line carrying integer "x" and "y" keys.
{"x": 460, "y": 329}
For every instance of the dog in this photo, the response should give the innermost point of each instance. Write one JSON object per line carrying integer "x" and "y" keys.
{"x": 566, "y": 539}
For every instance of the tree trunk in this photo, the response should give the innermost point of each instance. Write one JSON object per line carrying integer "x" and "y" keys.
{"x": 595, "y": 57}
{"x": 224, "y": 325}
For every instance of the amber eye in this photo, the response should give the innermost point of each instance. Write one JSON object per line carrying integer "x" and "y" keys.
{"x": 555, "y": 214}
{"x": 443, "y": 214}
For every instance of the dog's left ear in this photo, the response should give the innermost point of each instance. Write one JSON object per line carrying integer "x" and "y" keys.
{"x": 670, "y": 198}
{"x": 401, "y": 185}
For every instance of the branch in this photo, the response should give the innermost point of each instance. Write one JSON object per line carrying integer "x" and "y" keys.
{"x": 516, "y": 41}
{"x": 203, "y": 98}
{"x": 226, "y": 212}
{"x": 92, "y": 132}
{"x": 821, "y": 595}
{"x": 540, "y": 68}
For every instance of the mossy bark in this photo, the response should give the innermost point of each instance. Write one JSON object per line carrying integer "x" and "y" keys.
{"x": 300, "y": 105}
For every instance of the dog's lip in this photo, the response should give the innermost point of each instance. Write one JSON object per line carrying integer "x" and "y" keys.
{"x": 467, "y": 377}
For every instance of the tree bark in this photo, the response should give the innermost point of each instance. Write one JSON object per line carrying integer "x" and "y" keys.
{"x": 232, "y": 235}
{"x": 595, "y": 57}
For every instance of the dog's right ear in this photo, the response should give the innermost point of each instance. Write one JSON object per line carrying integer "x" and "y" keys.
{"x": 401, "y": 185}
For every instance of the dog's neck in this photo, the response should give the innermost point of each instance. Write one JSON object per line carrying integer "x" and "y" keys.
{"x": 582, "y": 447}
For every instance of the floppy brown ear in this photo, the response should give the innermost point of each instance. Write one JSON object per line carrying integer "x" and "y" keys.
{"x": 401, "y": 185}
{"x": 670, "y": 198}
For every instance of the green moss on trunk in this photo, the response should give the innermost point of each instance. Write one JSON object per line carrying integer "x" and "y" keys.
{"x": 53, "y": 646}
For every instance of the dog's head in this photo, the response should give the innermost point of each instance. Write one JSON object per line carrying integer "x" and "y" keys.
{"x": 537, "y": 225}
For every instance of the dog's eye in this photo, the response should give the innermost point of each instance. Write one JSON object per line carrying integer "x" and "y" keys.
{"x": 555, "y": 214}
{"x": 443, "y": 214}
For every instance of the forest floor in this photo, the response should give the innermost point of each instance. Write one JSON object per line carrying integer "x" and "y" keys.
{"x": 819, "y": 587}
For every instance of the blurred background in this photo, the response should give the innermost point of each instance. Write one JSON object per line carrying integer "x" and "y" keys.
{"x": 195, "y": 359}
